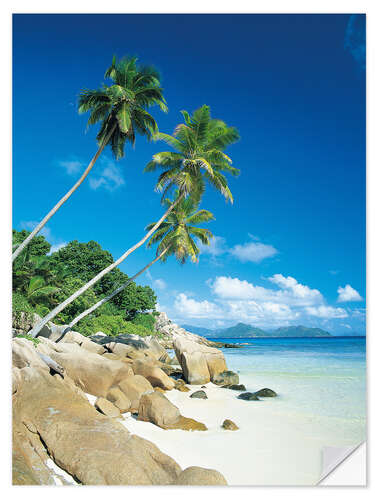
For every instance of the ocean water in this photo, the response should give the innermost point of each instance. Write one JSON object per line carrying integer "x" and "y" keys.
{"x": 321, "y": 382}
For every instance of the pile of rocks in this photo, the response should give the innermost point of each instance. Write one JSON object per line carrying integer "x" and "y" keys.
{"x": 52, "y": 416}
{"x": 171, "y": 331}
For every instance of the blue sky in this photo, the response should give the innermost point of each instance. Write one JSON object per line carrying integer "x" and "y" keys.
{"x": 291, "y": 249}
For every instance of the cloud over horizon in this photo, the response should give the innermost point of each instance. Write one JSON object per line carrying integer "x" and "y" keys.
{"x": 240, "y": 300}
{"x": 348, "y": 294}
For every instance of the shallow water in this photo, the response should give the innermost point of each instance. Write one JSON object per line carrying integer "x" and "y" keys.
{"x": 319, "y": 379}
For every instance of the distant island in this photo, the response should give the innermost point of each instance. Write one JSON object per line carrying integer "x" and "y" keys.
{"x": 243, "y": 330}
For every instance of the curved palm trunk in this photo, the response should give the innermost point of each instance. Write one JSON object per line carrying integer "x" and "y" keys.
{"x": 34, "y": 332}
{"x": 43, "y": 222}
{"x": 115, "y": 292}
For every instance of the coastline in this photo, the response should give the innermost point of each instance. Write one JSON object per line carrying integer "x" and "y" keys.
{"x": 292, "y": 448}
{"x": 279, "y": 441}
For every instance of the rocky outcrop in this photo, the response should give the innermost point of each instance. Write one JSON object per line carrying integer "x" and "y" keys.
{"x": 107, "y": 408}
{"x": 156, "y": 376}
{"x": 134, "y": 388}
{"x": 266, "y": 393}
{"x": 248, "y": 396}
{"x": 226, "y": 378}
{"x": 229, "y": 425}
{"x": 119, "y": 399}
{"x": 91, "y": 372}
{"x": 199, "y": 363}
{"x": 199, "y": 395}
{"x": 235, "y": 387}
{"x": 50, "y": 417}
{"x": 171, "y": 330}
{"x": 156, "y": 408}
{"x": 76, "y": 338}
{"x": 198, "y": 476}
{"x": 24, "y": 354}
{"x": 56, "y": 425}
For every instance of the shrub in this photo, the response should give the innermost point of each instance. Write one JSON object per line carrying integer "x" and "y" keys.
{"x": 41, "y": 310}
{"x": 20, "y": 304}
{"x": 35, "y": 341}
{"x": 111, "y": 325}
{"x": 145, "y": 319}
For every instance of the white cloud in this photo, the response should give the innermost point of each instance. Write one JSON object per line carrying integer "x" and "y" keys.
{"x": 292, "y": 292}
{"x": 239, "y": 300}
{"x": 216, "y": 247}
{"x": 253, "y": 252}
{"x": 109, "y": 178}
{"x": 156, "y": 283}
{"x": 56, "y": 247}
{"x": 295, "y": 288}
{"x": 348, "y": 294}
{"x": 327, "y": 312}
{"x": 159, "y": 283}
{"x": 191, "y": 308}
{"x": 71, "y": 167}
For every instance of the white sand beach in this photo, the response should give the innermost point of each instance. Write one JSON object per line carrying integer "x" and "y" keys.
{"x": 289, "y": 447}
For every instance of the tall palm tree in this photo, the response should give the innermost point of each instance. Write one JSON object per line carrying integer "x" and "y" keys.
{"x": 121, "y": 110}
{"x": 199, "y": 157}
{"x": 202, "y": 161}
{"x": 175, "y": 237}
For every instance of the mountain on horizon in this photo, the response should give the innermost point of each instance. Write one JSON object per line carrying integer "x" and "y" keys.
{"x": 243, "y": 330}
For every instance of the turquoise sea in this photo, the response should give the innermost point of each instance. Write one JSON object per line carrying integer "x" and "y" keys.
{"x": 321, "y": 379}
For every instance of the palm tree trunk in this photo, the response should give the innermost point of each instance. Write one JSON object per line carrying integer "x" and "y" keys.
{"x": 115, "y": 292}
{"x": 34, "y": 332}
{"x": 63, "y": 199}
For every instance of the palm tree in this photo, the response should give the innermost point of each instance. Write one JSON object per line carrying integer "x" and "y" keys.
{"x": 199, "y": 156}
{"x": 175, "y": 236}
{"x": 121, "y": 110}
{"x": 202, "y": 161}
{"x": 38, "y": 290}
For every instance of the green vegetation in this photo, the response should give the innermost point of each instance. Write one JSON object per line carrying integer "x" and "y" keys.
{"x": 41, "y": 281}
{"x": 113, "y": 325}
{"x": 29, "y": 337}
{"x": 175, "y": 237}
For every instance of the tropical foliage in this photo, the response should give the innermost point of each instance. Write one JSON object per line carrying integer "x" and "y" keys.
{"x": 176, "y": 236}
{"x": 42, "y": 281}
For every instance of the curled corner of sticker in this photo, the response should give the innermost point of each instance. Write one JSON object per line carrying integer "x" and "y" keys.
{"x": 333, "y": 456}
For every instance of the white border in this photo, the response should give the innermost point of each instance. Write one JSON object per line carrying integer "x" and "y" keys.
{"x": 182, "y": 6}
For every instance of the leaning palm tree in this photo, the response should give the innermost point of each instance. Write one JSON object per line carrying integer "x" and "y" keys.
{"x": 175, "y": 237}
{"x": 121, "y": 109}
{"x": 200, "y": 159}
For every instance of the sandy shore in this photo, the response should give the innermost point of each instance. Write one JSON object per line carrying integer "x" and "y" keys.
{"x": 268, "y": 449}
